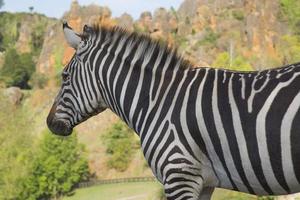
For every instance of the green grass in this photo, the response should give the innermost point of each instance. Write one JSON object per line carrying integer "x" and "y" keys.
{"x": 222, "y": 194}
{"x": 142, "y": 191}
{"x": 120, "y": 191}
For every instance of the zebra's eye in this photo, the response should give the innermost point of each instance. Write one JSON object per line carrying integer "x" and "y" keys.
{"x": 83, "y": 43}
{"x": 65, "y": 76}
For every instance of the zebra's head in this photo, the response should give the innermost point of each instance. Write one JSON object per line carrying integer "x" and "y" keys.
{"x": 76, "y": 100}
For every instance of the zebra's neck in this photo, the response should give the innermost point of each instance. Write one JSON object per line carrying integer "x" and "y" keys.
{"x": 130, "y": 84}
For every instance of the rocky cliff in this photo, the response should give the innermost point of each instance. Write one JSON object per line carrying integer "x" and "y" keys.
{"x": 201, "y": 29}
{"x": 55, "y": 52}
{"x": 245, "y": 27}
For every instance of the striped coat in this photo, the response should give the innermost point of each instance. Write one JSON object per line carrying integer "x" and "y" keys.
{"x": 200, "y": 128}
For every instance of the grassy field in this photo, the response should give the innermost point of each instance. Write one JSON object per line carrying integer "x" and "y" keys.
{"x": 141, "y": 191}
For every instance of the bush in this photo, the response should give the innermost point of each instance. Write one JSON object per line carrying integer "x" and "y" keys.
{"x": 9, "y": 25}
{"x": 238, "y": 63}
{"x": 58, "y": 166}
{"x": 17, "y": 69}
{"x": 58, "y": 65}
{"x": 37, "y": 37}
{"x": 238, "y": 14}
{"x": 119, "y": 141}
{"x": 38, "y": 80}
{"x": 290, "y": 10}
{"x": 289, "y": 48}
{"x": 210, "y": 38}
{"x": 17, "y": 149}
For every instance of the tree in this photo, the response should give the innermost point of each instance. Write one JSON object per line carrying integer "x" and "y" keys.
{"x": 57, "y": 168}
{"x": 119, "y": 141}
{"x": 31, "y": 8}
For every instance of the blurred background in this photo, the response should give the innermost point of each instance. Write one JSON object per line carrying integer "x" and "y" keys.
{"x": 99, "y": 161}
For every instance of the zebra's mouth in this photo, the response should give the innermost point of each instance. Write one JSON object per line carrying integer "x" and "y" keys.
{"x": 59, "y": 127}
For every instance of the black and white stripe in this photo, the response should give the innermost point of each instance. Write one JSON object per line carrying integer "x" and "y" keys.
{"x": 200, "y": 128}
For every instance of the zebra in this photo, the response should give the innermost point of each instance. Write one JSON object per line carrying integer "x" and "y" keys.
{"x": 199, "y": 128}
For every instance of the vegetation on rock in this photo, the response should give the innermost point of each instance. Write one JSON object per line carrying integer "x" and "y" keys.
{"x": 225, "y": 61}
{"x": 290, "y": 10}
{"x": 21, "y": 40}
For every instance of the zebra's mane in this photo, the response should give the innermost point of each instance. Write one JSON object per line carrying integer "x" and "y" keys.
{"x": 116, "y": 33}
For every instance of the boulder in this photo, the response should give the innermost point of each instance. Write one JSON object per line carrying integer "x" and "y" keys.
{"x": 14, "y": 94}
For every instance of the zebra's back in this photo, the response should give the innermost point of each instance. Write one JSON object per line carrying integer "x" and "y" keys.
{"x": 250, "y": 124}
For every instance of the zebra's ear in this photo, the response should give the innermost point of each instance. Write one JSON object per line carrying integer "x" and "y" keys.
{"x": 71, "y": 36}
{"x": 87, "y": 30}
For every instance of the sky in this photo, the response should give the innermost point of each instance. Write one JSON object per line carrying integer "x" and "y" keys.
{"x": 56, "y": 8}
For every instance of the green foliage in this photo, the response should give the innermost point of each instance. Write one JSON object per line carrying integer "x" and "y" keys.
{"x": 58, "y": 65}
{"x": 181, "y": 41}
{"x": 210, "y": 38}
{"x": 290, "y": 48}
{"x": 17, "y": 69}
{"x": 119, "y": 141}
{"x": 57, "y": 167}
{"x": 290, "y": 10}
{"x": 37, "y": 37}
{"x": 237, "y": 63}
{"x": 238, "y": 14}
{"x": 58, "y": 56}
{"x": 17, "y": 148}
{"x": 9, "y": 25}
{"x": 38, "y": 80}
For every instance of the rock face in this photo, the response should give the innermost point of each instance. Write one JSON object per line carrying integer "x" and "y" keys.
{"x": 249, "y": 27}
{"x": 56, "y": 53}
{"x": 201, "y": 28}
{"x": 188, "y": 8}
{"x": 27, "y": 28}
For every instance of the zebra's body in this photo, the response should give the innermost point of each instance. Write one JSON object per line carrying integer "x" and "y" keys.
{"x": 200, "y": 128}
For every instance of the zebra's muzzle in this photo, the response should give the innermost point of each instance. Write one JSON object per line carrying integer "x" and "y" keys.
{"x": 59, "y": 127}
